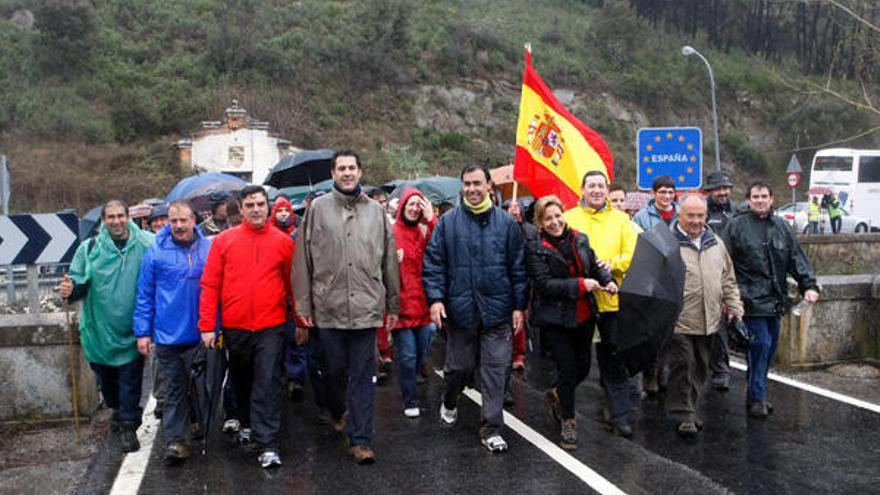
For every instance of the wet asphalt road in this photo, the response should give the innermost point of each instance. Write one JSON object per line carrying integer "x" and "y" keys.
{"x": 810, "y": 444}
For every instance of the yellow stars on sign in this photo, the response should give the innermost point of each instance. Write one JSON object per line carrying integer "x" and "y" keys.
{"x": 690, "y": 147}
{"x": 649, "y": 170}
{"x": 668, "y": 135}
{"x": 680, "y": 139}
{"x": 681, "y": 178}
{"x": 649, "y": 147}
{"x": 693, "y": 158}
{"x": 645, "y": 160}
{"x": 690, "y": 170}
{"x": 657, "y": 138}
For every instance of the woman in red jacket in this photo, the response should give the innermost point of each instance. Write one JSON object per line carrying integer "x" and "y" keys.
{"x": 412, "y": 335}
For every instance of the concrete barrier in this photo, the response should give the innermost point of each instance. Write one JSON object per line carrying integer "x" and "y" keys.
{"x": 843, "y": 326}
{"x": 35, "y": 369}
{"x": 842, "y": 254}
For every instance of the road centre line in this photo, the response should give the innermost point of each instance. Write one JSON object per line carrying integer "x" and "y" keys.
{"x": 814, "y": 389}
{"x": 563, "y": 458}
{"x": 134, "y": 465}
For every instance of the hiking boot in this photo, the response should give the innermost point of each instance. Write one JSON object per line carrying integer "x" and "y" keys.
{"x": 412, "y": 412}
{"x": 688, "y": 429}
{"x": 554, "y": 408}
{"x": 721, "y": 382}
{"x": 158, "y": 411}
{"x": 128, "y": 440}
{"x": 269, "y": 459}
{"x": 623, "y": 430}
{"x": 569, "y": 434}
{"x": 363, "y": 455}
{"x": 115, "y": 422}
{"x": 495, "y": 444}
{"x": 448, "y": 417}
{"x": 295, "y": 391}
{"x": 231, "y": 426}
{"x": 176, "y": 453}
{"x": 244, "y": 436}
{"x": 338, "y": 424}
{"x": 758, "y": 409}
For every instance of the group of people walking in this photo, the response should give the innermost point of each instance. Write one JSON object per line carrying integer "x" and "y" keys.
{"x": 313, "y": 294}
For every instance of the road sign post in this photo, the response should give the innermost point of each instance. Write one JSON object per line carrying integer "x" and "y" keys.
{"x": 794, "y": 170}
{"x": 793, "y": 180}
{"x": 673, "y": 151}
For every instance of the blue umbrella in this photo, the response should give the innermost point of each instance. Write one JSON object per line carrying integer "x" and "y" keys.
{"x": 301, "y": 169}
{"x": 198, "y": 187}
{"x": 89, "y": 223}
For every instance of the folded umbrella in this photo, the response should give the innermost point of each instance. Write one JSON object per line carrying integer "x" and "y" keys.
{"x": 207, "y": 369}
{"x": 650, "y": 298}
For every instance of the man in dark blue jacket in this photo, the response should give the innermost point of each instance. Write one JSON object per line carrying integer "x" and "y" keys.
{"x": 476, "y": 285}
{"x": 167, "y": 314}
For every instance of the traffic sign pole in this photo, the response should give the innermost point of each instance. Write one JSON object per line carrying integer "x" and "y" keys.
{"x": 794, "y": 178}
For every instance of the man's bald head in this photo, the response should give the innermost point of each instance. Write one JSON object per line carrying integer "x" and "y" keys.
{"x": 692, "y": 215}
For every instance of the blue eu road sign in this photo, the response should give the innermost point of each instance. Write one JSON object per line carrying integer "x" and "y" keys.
{"x": 673, "y": 151}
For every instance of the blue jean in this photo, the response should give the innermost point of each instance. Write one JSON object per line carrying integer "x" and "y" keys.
{"x": 411, "y": 346}
{"x": 121, "y": 388}
{"x": 765, "y": 337}
{"x": 351, "y": 364}
{"x": 174, "y": 361}
{"x": 295, "y": 359}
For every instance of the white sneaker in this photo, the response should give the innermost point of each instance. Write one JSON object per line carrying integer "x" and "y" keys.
{"x": 231, "y": 426}
{"x": 269, "y": 459}
{"x": 495, "y": 444}
{"x": 412, "y": 412}
{"x": 448, "y": 417}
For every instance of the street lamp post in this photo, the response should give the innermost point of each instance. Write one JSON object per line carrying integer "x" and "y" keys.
{"x": 688, "y": 50}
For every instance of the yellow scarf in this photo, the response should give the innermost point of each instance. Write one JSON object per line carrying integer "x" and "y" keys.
{"x": 480, "y": 208}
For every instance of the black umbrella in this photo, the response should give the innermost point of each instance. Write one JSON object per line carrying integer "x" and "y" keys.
{"x": 650, "y": 298}
{"x": 207, "y": 368}
{"x": 301, "y": 169}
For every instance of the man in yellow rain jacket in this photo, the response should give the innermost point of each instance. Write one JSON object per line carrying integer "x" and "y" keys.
{"x": 613, "y": 239}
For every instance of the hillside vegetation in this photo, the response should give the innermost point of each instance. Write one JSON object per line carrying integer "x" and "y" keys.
{"x": 93, "y": 94}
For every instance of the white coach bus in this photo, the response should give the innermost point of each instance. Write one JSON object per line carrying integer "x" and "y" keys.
{"x": 854, "y": 175}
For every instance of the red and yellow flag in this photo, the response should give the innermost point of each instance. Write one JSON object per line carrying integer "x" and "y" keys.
{"x": 553, "y": 148}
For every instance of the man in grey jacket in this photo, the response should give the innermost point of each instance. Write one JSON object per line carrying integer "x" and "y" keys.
{"x": 345, "y": 280}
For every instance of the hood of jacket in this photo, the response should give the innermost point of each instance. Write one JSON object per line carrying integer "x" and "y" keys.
{"x": 282, "y": 202}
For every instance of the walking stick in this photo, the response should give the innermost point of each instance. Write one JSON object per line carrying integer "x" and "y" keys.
{"x": 72, "y": 355}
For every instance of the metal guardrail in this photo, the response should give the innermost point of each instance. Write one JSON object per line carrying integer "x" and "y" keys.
{"x": 33, "y": 283}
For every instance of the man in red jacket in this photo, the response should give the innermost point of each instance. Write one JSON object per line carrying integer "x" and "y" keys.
{"x": 247, "y": 278}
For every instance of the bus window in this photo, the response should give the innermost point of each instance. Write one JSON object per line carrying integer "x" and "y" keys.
{"x": 833, "y": 164}
{"x": 869, "y": 169}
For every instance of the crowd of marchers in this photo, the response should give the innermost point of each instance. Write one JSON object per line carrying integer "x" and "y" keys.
{"x": 283, "y": 302}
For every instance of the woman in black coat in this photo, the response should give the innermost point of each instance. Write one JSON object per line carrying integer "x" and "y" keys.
{"x": 564, "y": 271}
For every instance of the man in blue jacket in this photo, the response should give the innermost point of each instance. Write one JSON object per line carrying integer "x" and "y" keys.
{"x": 476, "y": 285}
{"x": 167, "y": 314}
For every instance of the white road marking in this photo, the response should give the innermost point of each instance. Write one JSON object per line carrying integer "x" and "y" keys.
{"x": 134, "y": 466}
{"x": 563, "y": 458}
{"x": 814, "y": 389}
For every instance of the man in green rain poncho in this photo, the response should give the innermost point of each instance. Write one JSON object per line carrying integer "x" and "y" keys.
{"x": 104, "y": 272}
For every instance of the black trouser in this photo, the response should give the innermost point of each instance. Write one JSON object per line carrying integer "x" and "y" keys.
{"x": 351, "y": 374}
{"x": 174, "y": 361}
{"x": 688, "y": 358}
{"x": 492, "y": 347}
{"x": 836, "y": 223}
{"x": 619, "y": 388}
{"x": 255, "y": 362}
{"x": 719, "y": 357}
{"x": 570, "y": 350}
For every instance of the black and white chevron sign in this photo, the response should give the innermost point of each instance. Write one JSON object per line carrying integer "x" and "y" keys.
{"x": 41, "y": 238}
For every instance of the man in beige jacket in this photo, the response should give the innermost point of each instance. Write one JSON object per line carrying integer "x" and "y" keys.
{"x": 709, "y": 282}
{"x": 345, "y": 280}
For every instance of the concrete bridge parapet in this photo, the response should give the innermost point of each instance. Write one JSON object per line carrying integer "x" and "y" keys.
{"x": 843, "y": 326}
{"x": 35, "y": 368}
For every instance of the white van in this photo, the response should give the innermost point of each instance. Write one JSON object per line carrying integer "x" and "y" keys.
{"x": 854, "y": 175}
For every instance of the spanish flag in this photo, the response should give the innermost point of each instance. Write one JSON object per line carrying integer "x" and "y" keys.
{"x": 553, "y": 148}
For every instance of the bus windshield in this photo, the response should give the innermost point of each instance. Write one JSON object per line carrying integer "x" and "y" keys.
{"x": 833, "y": 164}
